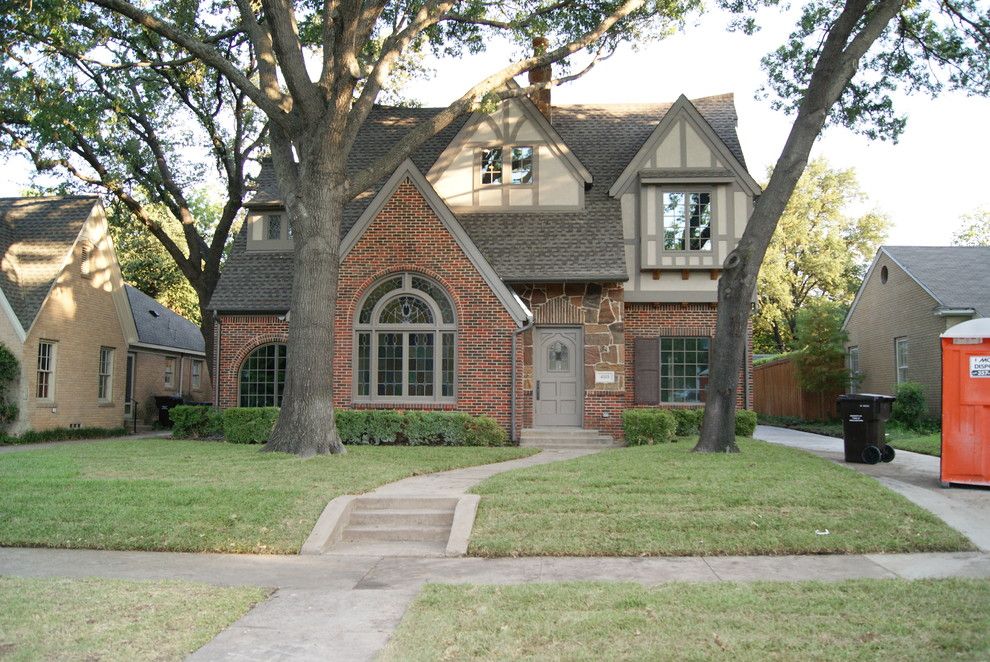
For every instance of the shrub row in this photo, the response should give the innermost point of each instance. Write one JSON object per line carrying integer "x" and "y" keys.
{"x": 253, "y": 425}
{"x": 62, "y": 434}
{"x": 656, "y": 426}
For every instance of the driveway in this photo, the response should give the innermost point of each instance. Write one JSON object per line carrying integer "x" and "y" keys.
{"x": 916, "y": 476}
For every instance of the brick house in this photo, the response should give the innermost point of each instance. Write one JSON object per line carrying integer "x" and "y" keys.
{"x": 548, "y": 269}
{"x": 66, "y": 316}
{"x": 909, "y": 297}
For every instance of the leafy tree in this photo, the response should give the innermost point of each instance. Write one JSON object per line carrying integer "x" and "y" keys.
{"x": 975, "y": 230}
{"x": 321, "y": 67}
{"x": 841, "y": 65}
{"x": 106, "y": 106}
{"x": 820, "y": 341}
{"x": 817, "y": 251}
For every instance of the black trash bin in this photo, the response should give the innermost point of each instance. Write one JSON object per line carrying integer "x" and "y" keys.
{"x": 864, "y": 416}
{"x": 164, "y": 403}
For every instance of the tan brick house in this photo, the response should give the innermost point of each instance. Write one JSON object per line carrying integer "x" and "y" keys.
{"x": 548, "y": 270}
{"x": 65, "y": 313}
{"x": 909, "y": 297}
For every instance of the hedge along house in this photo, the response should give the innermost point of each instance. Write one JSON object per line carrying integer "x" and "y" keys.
{"x": 548, "y": 269}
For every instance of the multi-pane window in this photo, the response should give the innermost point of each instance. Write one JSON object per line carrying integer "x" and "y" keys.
{"x": 687, "y": 220}
{"x": 262, "y": 378}
{"x": 852, "y": 364}
{"x": 169, "y": 371}
{"x": 901, "y": 359}
{"x": 405, "y": 341}
{"x": 491, "y": 166}
{"x": 104, "y": 388}
{"x": 46, "y": 370}
{"x": 520, "y": 161}
{"x": 683, "y": 369}
{"x": 273, "y": 227}
{"x": 196, "y": 374}
{"x": 522, "y": 165}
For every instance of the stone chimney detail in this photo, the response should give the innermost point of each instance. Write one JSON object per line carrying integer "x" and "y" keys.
{"x": 541, "y": 74}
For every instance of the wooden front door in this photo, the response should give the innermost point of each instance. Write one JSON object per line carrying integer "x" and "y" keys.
{"x": 558, "y": 371}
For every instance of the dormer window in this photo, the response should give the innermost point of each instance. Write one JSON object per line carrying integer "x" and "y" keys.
{"x": 270, "y": 231}
{"x": 273, "y": 227}
{"x": 520, "y": 165}
{"x": 687, "y": 220}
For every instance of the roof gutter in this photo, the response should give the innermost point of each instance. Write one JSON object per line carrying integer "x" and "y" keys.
{"x": 954, "y": 312}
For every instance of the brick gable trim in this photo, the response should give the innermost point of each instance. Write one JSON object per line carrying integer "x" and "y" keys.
{"x": 409, "y": 171}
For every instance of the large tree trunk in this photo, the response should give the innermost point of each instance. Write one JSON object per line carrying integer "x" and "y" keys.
{"x": 305, "y": 425}
{"x": 837, "y": 63}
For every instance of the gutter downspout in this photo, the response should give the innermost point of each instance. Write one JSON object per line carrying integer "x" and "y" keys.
{"x": 216, "y": 359}
{"x": 527, "y": 325}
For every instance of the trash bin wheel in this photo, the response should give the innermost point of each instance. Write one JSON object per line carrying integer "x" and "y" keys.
{"x": 887, "y": 454}
{"x": 871, "y": 455}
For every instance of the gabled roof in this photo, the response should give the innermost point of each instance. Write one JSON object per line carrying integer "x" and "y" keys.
{"x": 956, "y": 277}
{"x": 36, "y": 237}
{"x": 160, "y": 327}
{"x": 408, "y": 171}
{"x": 580, "y": 245}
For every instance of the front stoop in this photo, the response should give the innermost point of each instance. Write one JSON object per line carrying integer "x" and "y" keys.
{"x": 566, "y": 438}
{"x": 394, "y": 526}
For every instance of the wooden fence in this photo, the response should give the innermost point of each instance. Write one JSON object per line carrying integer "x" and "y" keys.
{"x": 776, "y": 392}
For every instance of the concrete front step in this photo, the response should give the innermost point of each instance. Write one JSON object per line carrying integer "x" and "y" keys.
{"x": 405, "y": 503}
{"x": 590, "y": 442}
{"x": 401, "y": 518}
{"x": 563, "y": 446}
{"x": 396, "y": 534}
{"x": 559, "y": 433}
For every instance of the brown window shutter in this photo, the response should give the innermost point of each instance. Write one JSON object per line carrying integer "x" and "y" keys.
{"x": 647, "y": 368}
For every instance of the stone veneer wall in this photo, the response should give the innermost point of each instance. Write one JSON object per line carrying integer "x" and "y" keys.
{"x": 650, "y": 320}
{"x": 598, "y": 309}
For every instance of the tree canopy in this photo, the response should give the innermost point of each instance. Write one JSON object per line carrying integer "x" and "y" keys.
{"x": 819, "y": 250}
{"x": 975, "y": 230}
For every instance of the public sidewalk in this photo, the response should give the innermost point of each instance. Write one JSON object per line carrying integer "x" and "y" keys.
{"x": 913, "y": 475}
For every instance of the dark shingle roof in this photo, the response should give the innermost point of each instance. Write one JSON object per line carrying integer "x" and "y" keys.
{"x": 579, "y": 245}
{"x": 36, "y": 235}
{"x": 957, "y": 276}
{"x": 158, "y": 325}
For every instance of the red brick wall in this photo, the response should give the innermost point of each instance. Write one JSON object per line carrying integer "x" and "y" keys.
{"x": 649, "y": 320}
{"x": 405, "y": 236}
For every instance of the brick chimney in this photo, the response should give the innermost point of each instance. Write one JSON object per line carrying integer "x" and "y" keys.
{"x": 541, "y": 74}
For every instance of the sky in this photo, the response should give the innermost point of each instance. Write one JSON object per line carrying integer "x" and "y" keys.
{"x": 936, "y": 172}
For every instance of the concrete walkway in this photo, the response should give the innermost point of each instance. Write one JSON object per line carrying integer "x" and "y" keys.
{"x": 916, "y": 476}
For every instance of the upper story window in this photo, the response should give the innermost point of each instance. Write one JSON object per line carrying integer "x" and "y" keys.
{"x": 687, "y": 220}
{"x": 520, "y": 162}
{"x": 273, "y": 227}
{"x": 86, "y": 259}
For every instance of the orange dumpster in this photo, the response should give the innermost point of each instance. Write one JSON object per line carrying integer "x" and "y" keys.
{"x": 966, "y": 403}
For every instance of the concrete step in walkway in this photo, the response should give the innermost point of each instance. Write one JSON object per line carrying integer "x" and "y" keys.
{"x": 386, "y": 525}
{"x": 566, "y": 438}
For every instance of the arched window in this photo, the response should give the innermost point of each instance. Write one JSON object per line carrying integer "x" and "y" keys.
{"x": 404, "y": 337}
{"x": 262, "y": 379}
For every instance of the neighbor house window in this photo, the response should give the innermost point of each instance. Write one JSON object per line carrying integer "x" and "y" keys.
{"x": 683, "y": 369}
{"x": 169, "y": 372}
{"x": 491, "y": 166}
{"x": 405, "y": 334}
{"x": 196, "y": 374}
{"x": 262, "y": 378}
{"x": 104, "y": 388}
{"x": 852, "y": 363}
{"x": 46, "y": 370}
{"x": 686, "y": 217}
{"x": 901, "y": 359}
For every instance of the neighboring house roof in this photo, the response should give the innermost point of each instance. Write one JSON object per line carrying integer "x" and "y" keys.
{"x": 161, "y": 327}
{"x": 36, "y": 236}
{"x": 525, "y": 246}
{"x": 956, "y": 277}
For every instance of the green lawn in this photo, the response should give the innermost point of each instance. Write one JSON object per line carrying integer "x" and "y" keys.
{"x": 162, "y": 494}
{"x": 665, "y": 500}
{"x": 929, "y": 445}
{"x": 94, "y": 619}
{"x": 851, "y": 620}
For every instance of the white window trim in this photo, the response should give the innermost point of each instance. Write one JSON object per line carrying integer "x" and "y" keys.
{"x": 901, "y": 359}
{"x": 51, "y": 372}
{"x": 687, "y": 191}
{"x": 107, "y": 397}
{"x": 169, "y": 376}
